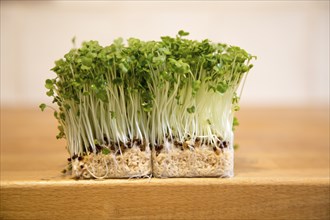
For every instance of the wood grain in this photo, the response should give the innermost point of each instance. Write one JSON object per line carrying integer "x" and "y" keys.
{"x": 281, "y": 172}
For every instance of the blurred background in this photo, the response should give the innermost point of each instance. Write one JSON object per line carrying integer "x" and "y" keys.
{"x": 290, "y": 38}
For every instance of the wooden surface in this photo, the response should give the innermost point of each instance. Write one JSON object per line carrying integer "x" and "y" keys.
{"x": 281, "y": 172}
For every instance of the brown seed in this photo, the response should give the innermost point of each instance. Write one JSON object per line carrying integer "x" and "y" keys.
{"x": 112, "y": 148}
{"x": 185, "y": 145}
{"x": 143, "y": 147}
{"x": 225, "y": 144}
{"x": 106, "y": 140}
{"x": 135, "y": 140}
{"x": 82, "y": 166}
{"x": 198, "y": 139}
{"x": 69, "y": 159}
{"x": 197, "y": 144}
{"x": 122, "y": 148}
{"x": 98, "y": 147}
{"x": 216, "y": 150}
{"x": 74, "y": 156}
{"x": 90, "y": 149}
{"x": 220, "y": 145}
{"x": 158, "y": 148}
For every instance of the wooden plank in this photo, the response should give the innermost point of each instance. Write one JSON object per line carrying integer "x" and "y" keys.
{"x": 167, "y": 199}
{"x": 281, "y": 172}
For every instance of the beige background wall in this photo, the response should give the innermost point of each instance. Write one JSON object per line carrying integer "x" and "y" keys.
{"x": 291, "y": 40}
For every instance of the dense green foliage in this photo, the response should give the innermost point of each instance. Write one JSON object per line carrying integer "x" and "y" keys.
{"x": 146, "y": 89}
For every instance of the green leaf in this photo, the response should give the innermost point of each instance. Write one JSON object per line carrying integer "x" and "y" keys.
{"x": 217, "y": 68}
{"x": 105, "y": 151}
{"x": 183, "y": 33}
{"x": 60, "y": 128}
{"x": 191, "y": 109}
{"x": 236, "y": 108}
{"x": 86, "y": 61}
{"x": 62, "y": 116}
{"x": 49, "y": 84}
{"x": 196, "y": 86}
{"x": 83, "y": 67}
{"x": 86, "y": 93}
{"x": 235, "y": 123}
{"x": 112, "y": 114}
{"x": 117, "y": 81}
{"x": 222, "y": 87}
{"x": 94, "y": 88}
{"x": 56, "y": 114}
{"x": 118, "y": 42}
{"x": 50, "y": 93}
{"x": 96, "y": 142}
{"x": 67, "y": 106}
{"x": 147, "y": 106}
{"x": 61, "y": 133}
{"x": 73, "y": 40}
{"x": 235, "y": 100}
{"x": 123, "y": 68}
{"x": 42, "y": 106}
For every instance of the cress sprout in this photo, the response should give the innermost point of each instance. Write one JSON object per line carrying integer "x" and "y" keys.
{"x": 146, "y": 92}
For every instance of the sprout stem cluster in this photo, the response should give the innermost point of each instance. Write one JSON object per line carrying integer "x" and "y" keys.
{"x": 146, "y": 91}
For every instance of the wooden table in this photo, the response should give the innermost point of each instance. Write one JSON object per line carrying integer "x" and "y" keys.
{"x": 281, "y": 172}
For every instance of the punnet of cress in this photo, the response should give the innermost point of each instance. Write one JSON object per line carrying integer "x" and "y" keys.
{"x": 139, "y": 107}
